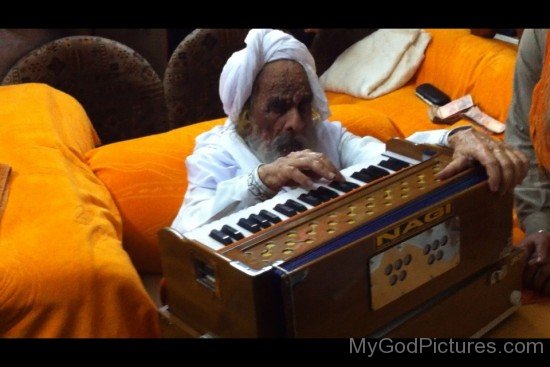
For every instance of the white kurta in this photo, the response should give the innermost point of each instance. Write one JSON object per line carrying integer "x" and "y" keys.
{"x": 219, "y": 167}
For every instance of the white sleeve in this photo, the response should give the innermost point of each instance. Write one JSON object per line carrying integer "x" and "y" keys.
{"x": 354, "y": 149}
{"x": 216, "y": 189}
{"x": 436, "y": 137}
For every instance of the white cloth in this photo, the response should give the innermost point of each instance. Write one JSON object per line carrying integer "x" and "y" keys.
{"x": 263, "y": 46}
{"x": 378, "y": 64}
{"x": 220, "y": 165}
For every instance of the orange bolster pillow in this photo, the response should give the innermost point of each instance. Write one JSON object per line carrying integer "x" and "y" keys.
{"x": 147, "y": 179}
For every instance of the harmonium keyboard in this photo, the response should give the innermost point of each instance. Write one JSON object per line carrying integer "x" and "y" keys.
{"x": 393, "y": 251}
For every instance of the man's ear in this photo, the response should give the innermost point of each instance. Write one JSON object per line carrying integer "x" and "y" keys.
{"x": 244, "y": 124}
{"x": 315, "y": 115}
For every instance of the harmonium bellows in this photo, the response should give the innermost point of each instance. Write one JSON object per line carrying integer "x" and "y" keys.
{"x": 392, "y": 251}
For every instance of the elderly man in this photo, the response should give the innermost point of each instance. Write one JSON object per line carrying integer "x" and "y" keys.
{"x": 528, "y": 128}
{"x": 277, "y": 135}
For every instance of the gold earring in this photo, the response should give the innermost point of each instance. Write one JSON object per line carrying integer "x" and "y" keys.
{"x": 315, "y": 115}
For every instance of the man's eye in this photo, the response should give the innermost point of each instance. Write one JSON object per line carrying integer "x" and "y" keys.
{"x": 278, "y": 108}
{"x": 305, "y": 106}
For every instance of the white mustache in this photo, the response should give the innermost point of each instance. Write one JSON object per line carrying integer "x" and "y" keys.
{"x": 284, "y": 144}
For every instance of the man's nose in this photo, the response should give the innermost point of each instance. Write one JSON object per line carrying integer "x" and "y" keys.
{"x": 294, "y": 121}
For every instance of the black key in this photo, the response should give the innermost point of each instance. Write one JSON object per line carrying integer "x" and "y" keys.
{"x": 351, "y": 184}
{"x": 264, "y": 223}
{"x": 343, "y": 186}
{"x": 393, "y": 164}
{"x": 362, "y": 177}
{"x": 220, "y": 237}
{"x": 387, "y": 164}
{"x": 232, "y": 232}
{"x": 269, "y": 216}
{"x": 327, "y": 192}
{"x": 283, "y": 209}
{"x": 310, "y": 199}
{"x": 323, "y": 194}
{"x": 249, "y": 225}
{"x": 375, "y": 172}
{"x": 295, "y": 205}
{"x": 399, "y": 162}
{"x": 316, "y": 194}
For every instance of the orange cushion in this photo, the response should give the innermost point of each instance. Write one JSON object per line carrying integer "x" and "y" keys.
{"x": 457, "y": 63}
{"x": 407, "y": 113}
{"x": 63, "y": 271}
{"x": 365, "y": 121}
{"x": 147, "y": 179}
{"x": 460, "y": 63}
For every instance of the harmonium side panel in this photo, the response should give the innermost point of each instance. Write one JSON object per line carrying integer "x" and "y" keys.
{"x": 331, "y": 295}
{"x": 213, "y": 297}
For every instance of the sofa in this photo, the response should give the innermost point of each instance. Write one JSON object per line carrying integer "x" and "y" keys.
{"x": 78, "y": 236}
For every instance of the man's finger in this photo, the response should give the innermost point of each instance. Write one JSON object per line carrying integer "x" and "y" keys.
{"x": 507, "y": 170}
{"x": 457, "y": 165}
{"x": 541, "y": 252}
{"x": 492, "y": 167}
{"x": 322, "y": 169}
{"x": 296, "y": 175}
{"x": 520, "y": 169}
{"x": 523, "y": 162}
{"x": 321, "y": 165}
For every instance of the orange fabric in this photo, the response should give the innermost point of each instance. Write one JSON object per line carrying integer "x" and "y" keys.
{"x": 460, "y": 63}
{"x": 147, "y": 179}
{"x": 407, "y": 112}
{"x": 457, "y": 63}
{"x": 365, "y": 122}
{"x": 63, "y": 271}
{"x": 540, "y": 114}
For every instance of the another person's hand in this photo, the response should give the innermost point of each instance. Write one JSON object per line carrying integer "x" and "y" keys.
{"x": 297, "y": 168}
{"x": 506, "y": 167}
{"x": 536, "y": 274}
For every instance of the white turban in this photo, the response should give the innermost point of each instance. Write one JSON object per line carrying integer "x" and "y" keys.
{"x": 263, "y": 46}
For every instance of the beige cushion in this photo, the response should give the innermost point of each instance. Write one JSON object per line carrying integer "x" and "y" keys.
{"x": 378, "y": 64}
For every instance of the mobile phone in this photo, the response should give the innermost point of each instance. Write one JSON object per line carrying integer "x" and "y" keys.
{"x": 431, "y": 95}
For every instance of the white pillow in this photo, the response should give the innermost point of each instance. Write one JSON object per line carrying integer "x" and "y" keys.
{"x": 378, "y": 64}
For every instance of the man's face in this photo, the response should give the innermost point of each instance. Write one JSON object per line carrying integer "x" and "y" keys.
{"x": 280, "y": 111}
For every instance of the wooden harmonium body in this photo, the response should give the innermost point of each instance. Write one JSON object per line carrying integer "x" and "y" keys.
{"x": 404, "y": 254}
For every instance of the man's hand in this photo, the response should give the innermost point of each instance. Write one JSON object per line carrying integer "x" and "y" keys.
{"x": 536, "y": 274}
{"x": 297, "y": 168}
{"x": 506, "y": 167}
{"x": 537, "y": 247}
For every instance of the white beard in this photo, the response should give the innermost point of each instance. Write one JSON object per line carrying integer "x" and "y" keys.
{"x": 283, "y": 144}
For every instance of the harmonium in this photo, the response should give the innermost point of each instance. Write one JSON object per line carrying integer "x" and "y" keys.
{"x": 392, "y": 252}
